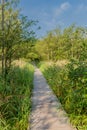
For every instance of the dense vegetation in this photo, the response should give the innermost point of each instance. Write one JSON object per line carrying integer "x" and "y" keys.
{"x": 69, "y": 84}
{"x": 15, "y": 98}
{"x": 63, "y": 44}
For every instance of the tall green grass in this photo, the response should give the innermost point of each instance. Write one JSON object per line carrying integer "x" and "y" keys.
{"x": 15, "y": 98}
{"x": 69, "y": 83}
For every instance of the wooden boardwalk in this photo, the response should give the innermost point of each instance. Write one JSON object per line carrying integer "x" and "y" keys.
{"x": 47, "y": 113}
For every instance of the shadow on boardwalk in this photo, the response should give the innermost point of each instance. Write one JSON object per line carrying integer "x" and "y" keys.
{"x": 47, "y": 113}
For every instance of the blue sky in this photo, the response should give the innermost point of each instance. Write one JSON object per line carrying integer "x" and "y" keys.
{"x": 54, "y": 13}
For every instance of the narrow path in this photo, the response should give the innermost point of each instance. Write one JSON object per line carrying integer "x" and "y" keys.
{"x": 46, "y": 111}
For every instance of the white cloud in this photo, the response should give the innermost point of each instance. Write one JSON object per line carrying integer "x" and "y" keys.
{"x": 63, "y": 7}
{"x": 50, "y": 19}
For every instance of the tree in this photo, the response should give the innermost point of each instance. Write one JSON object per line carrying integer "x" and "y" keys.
{"x": 17, "y": 29}
{"x": 63, "y": 44}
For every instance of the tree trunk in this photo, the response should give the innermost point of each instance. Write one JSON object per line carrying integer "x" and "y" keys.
{"x": 3, "y": 42}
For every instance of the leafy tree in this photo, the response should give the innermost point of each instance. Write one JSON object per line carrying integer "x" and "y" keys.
{"x": 66, "y": 44}
{"x": 16, "y": 30}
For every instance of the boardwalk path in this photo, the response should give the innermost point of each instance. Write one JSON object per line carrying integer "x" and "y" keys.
{"x": 46, "y": 111}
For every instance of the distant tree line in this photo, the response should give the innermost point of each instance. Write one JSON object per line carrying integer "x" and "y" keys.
{"x": 63, "y": 44}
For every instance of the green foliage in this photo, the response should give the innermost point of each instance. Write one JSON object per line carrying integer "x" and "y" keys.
{"x": 63, "y": 44}
{"x": 15, "y": 98}
{"x": 26, "y": 50}
{"x": 16, "y": 34}
{"x": 69, "y": 83}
